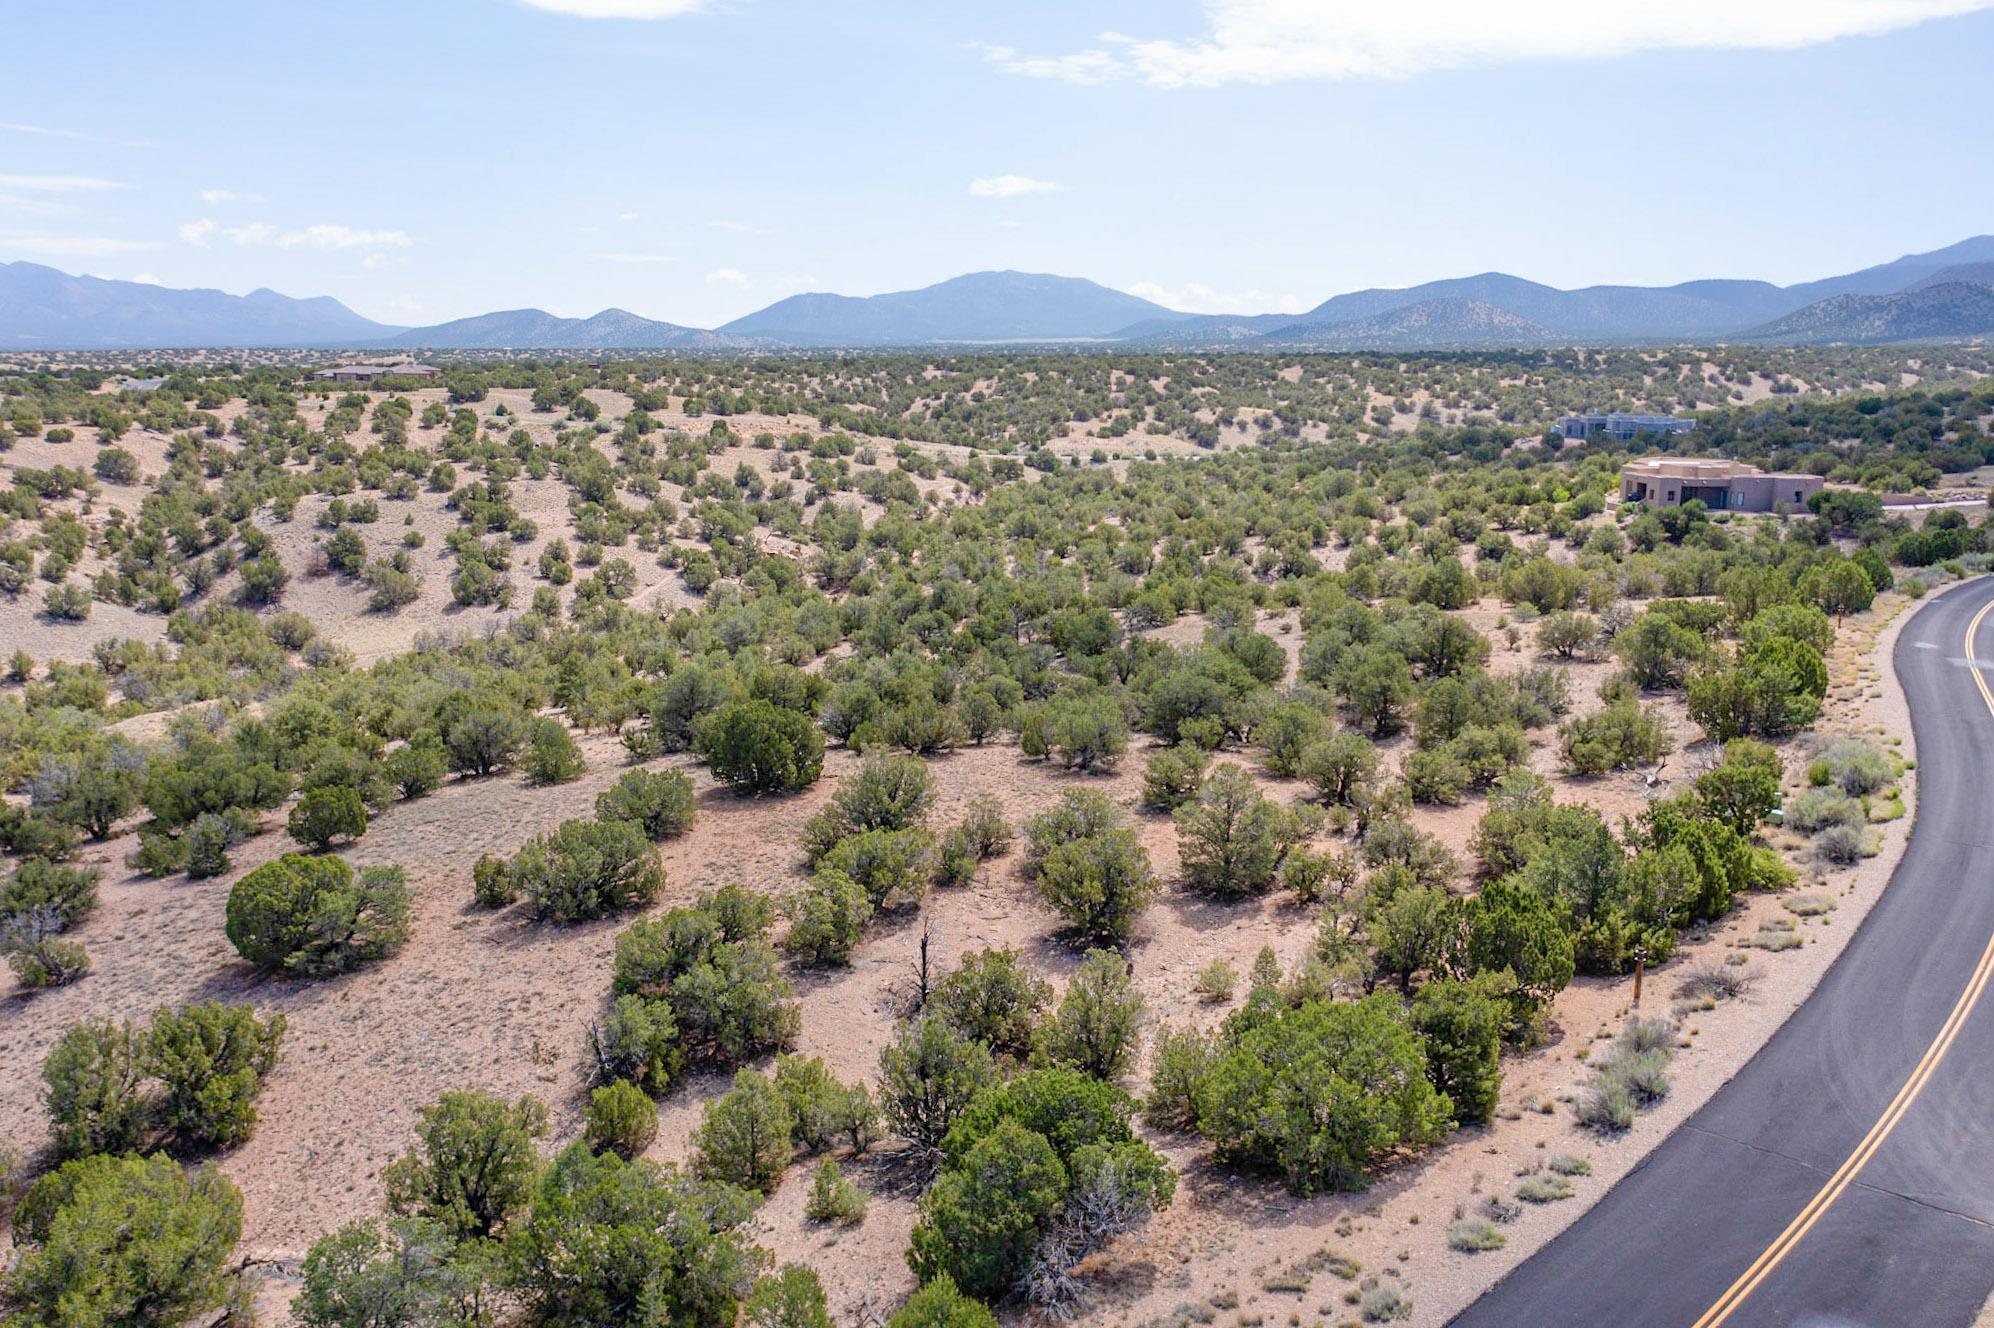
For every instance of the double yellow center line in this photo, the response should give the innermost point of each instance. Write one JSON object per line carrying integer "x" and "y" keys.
{"x": 1921, "y": 1074}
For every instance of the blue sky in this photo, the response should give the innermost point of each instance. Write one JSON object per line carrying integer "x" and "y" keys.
{"x": 436, "y": 158}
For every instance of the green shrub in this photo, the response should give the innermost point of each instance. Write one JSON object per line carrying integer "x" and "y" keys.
{"x": 129, "y": 1240}
{"x": 551, "y": 754}
{"x": 417, "y": 1276}
{"x": 670, "y": 1252}
{"x": 1099, "y": 883}
{"x": 927, "y": 1077}
{"x": 1038, "y": 1172}
{"x": 36, "y": 952}
{"x": 1231, "y": 838}
{"x": 790, "y": 1298}
{"x": 587, "y": 869}
{"x": 492, "y": 883}
{"x": 1086, "y": 732}
{"x": 636, "y": 1042}
{"x": 746, "y": 1136}
{"x": 984, "y": 827}
{"x": 1624, "y": 733}
{"x": 712, "y": 966}
{"x": 1079, "y": 814}
{"x": 832, "y": 1197}
{"x": 891, "y": 866}
{"x": 992, "y": 997}
{"x": 761, "y": 748}
{"x": 314, "y": 917}
{"x": 828, "y": 918}
{"x": 662, "y": 803}
{"x": 1461, "y": 1030}
{"x": 210, "y": 1061}
{"x": 68, "y": 893}
{"x": 620, "y": 1118}
{"x": 417, "y": 768}
{"x": 479, "y": 737}
{"x": 1172, "y": 776}
{"x": 939, "y": 1304}
{"x": 93, "y": 1081}
{"x": 473, "y": 1164}
{"x": 1340, "y": 768}
{"x": 1098, "y": 1025}
{"x": 327, "y": 814}
{"x": 1182, "y": 1058}
{"x": 1359, "y": 1066}
{"x": 888, "y": 793}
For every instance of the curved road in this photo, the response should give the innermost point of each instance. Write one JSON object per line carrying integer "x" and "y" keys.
{"x": 1754, "y": 1212}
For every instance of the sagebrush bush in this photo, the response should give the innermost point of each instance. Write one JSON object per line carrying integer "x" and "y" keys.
{"x": 1813, "y": 810}
{"x": 1851, "y": 765}
{"x": 1472, "y": 1235}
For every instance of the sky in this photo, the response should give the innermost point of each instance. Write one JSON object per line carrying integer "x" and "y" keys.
{"x": 693, "y": 160}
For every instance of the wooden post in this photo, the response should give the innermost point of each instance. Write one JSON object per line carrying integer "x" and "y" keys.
{"x": 1640, "y": 967}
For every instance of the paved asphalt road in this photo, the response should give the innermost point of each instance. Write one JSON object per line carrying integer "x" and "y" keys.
{"x": 1908, "y": 1243}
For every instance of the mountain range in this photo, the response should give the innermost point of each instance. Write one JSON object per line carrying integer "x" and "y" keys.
{"x": 1945, "y": 294}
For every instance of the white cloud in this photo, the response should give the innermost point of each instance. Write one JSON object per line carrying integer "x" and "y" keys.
{"x": 738, "y": 227}
{"x": 41, "y": 131}
{"x": 727, "y": 276}
{"x": 217, "y": 195}
{"x": 45, "y": 131}
{"x": 1011, "y": 186}
{"x": 1080, "y": 67}
{"x": 197, "y": 232}
{"x": 70, "y": 246}
{"x": 1197, "y": 298}
{"x": 618, "y": 8}
{"x": 626, "y": 216}
{"x": 1272, "y": 41}
{"x": 147, "y": 279}
{"x": 615, "y": 257}
{"x": 33, "y": 207}
{"x": 323, "y": 236}
{"x": 59, "y": 184}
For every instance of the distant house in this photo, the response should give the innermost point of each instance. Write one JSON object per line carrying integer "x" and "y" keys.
{"x": 141, "y": 384}
{"x": 1622, "y": 427}
{"x": 367, "y": 373}
{"x": 1730, "y": 486}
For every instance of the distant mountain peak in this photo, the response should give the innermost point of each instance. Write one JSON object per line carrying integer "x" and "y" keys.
{"x": 42, "y": 308}
{"x": 993, "y": 306}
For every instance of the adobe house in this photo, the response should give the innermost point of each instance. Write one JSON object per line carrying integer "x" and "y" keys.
{"x": 1721, "y": 486}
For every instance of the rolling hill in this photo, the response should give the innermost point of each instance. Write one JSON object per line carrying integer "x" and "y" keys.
{"x": 1924, "y": 313}
{"x": 536, "y": 329}
{"x": 1442, "y": 324}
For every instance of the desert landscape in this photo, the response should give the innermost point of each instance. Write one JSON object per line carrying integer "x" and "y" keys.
{"x": 1065, "y": 732}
